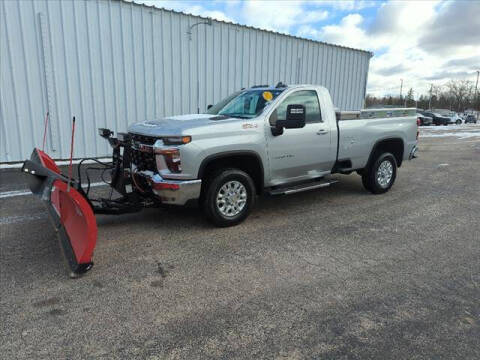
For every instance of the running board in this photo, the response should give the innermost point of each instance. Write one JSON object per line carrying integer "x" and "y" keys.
{"x": 302, "y": 187}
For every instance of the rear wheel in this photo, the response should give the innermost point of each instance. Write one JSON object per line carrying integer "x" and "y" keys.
{"x": 379, "y": 177}
{"x": 459, "y": 122}
{"x": 229, "y": 197}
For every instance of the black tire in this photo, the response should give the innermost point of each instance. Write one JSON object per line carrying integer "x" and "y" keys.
{"x": 369, "y": 178}
{"x": 214, "y": 184}
{"x": 365, "y": 182}
{"x": 458, "y": 122}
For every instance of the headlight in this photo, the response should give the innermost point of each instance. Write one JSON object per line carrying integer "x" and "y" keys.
{"x": 172, "y": 159}
{"x": 177, "y": 140}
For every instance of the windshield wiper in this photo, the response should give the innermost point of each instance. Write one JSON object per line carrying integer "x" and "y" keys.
{"x": 237, "y": 116}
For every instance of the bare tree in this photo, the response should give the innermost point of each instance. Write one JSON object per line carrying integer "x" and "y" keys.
{"x": 456, "y": 95}
{"x": 460, "y": 92}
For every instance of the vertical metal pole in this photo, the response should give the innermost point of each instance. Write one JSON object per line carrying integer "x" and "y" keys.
{"x": 401, "y": 87}
{"x": 45, "y": 132}
{"x": 49, "y": 80}
{"x": 430, "y": 101}
{"x": 476, "y": 101}
{"x": 476, "y": 86}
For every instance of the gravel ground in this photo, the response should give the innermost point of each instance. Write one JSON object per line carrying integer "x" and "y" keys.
{"x": 334, "y": 273}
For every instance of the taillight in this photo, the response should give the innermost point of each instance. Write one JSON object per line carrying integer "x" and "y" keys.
{"x": 172, "y": 159}
{"x": 419, "y": 122}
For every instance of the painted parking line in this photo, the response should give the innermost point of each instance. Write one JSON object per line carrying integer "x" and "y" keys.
{"x": 14, "y": 193}
{"x": 21, "y": 219}
{"x": 18, "y": 165}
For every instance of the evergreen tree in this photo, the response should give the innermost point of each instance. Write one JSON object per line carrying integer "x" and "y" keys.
{"x": 410, "y": 101}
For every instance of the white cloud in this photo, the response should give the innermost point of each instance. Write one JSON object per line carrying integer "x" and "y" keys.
{"x": 403, "y": 18}
{"x": 189, "y": 7}
{"x": 417, "y": 41}
{"x": 279, "y": 15}
{"x": 214, "y": 14}
{"x": 345, "y": 5}
{"x": 456, "y": 25}
{"x": 432, "y": 41}
{"x": 349, "y": 32}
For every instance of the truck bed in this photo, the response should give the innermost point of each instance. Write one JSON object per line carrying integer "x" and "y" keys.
{"x": 359, "y": 131}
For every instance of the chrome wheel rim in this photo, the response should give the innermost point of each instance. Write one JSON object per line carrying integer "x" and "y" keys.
{"x": 384, "y": 173}
{"x": 231, "y": 198}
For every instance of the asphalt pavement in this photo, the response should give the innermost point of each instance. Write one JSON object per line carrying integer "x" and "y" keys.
{"x": 335, "y": 273}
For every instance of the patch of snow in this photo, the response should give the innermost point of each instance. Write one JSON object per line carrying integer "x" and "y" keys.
{"x": 14, "y": 193}
{"x": 458, "y": 134}
{"x": 449, "y": 127}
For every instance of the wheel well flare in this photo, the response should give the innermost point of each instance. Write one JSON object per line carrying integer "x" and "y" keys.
{"x": 249, "y": 163}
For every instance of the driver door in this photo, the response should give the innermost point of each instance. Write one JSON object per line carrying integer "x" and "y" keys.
{"x": 299, "y": 154}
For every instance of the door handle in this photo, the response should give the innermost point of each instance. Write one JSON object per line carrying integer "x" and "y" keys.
{"x": 322, "y": 132}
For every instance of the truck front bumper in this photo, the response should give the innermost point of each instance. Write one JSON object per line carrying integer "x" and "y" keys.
{"x": 174, "y": 192}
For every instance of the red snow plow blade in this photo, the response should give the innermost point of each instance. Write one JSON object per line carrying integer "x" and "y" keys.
{"x": 70, "y": 210}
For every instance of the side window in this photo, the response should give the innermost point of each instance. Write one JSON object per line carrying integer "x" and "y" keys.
{"x": 308, "y": 98}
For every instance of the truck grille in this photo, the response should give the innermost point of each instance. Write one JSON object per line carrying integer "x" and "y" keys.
{"x": 144, "y": 139}
{"x": 143, "y": 160}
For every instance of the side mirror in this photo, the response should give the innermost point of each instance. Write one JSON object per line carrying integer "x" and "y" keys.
{"x": 209, "y": 106}
{"x": 275, "y": 127}
{"x": 296, "y": 114}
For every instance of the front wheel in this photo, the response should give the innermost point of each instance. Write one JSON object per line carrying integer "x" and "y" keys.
{"x": 229, "y": 197}
{"x": 380, "y": 176}
{"x": 459, "y": 122}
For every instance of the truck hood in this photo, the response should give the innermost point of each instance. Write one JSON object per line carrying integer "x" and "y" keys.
{"x": 175, "y": 125}
{"x": 172, "y": 125}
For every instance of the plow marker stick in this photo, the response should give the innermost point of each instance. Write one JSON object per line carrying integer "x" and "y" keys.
{"x": 45, "y": 132}
{"x": 71, "y": 155}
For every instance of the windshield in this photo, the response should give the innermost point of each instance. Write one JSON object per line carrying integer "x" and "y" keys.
{"x": 245, "y": 104}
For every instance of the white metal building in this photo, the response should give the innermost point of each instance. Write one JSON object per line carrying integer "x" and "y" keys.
{"x": 111, "y": 63}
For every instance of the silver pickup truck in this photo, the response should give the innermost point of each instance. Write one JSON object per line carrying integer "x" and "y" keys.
{"x": 263, "y": 140}
{"x": 274, "y": 140}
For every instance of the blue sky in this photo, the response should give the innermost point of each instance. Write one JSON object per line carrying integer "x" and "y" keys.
{"x": 422, "y": 42}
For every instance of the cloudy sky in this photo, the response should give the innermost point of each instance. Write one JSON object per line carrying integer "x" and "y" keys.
{"x": 421, "y": 42}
